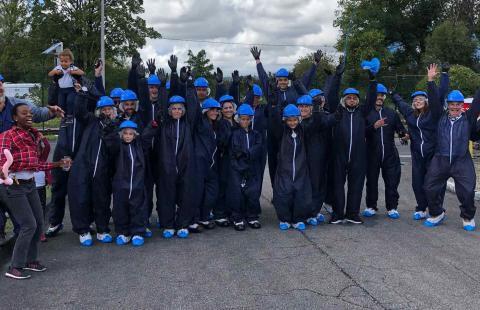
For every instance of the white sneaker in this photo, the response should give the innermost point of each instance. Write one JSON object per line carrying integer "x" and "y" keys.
{"x": 469, "y": 225}
{"x": 393, "y": 214}
{"x": 104, "y": 237}
{"x": 434, "y": 221}
{"x": 122, "y": 239}
{"x": 86, "y": 239}
{"x": 369, "y": 212}
{"x": 419, "y": 215}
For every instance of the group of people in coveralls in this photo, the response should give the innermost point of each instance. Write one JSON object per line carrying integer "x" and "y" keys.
{"x": 204, "y": 158}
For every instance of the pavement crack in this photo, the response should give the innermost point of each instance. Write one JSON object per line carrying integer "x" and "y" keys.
{"x": 345, "y": 273}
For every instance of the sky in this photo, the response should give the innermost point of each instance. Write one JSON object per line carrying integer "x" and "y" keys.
{"x": 306, "y": 24}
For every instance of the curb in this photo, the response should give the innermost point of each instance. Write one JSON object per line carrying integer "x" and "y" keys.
{"x": 451, "y": 188}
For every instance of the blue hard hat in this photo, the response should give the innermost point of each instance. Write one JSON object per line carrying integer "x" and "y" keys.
{"x": 210, "y": 103}
{"x": 381, "y": 89}
{"x": 176, "y": 99}
{"x": 291, "y": 110}
{"x": 128, "y": 124}
{"x": 128, "y": 95}
{"x": 226, "y": 98}
{"x": 167, "y": 85}
{"x": 257, "y": 91}
{"x": 419, "y": 93}
{"x": 304, "y": 100}
{"x": 153, "y": 80}
{"x": 371, "y": 65}
{"x": 282, "y": 72}
{"x": 200, "y": 82}
{"x": 1, "y": 78}
{"x": 116, "y": 93}
{"x": 351, "y": 91}
{"x": 105, "y": 101}
{"x": 315, "y": 92}
{"x": 245, "y": 109}
{"x": 455, "y": 96}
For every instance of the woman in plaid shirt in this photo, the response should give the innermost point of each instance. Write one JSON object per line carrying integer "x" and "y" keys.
{"x": 22, "y": 198}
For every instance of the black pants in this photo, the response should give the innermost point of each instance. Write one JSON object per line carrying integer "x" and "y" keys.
{"x": 176, "y": 200}
{"x": 292, "y": 200}
{"x": 391, "y": 172}
{"x": 4, "y": 209}
{"x": 56, "y": 207}
{"x": 354, "y": 173}
{"x": 128, "y": 212}
{"x": 318, "y": 178}
{"x": 24, "y": 203}
{"x": 462, "y": 171}
{"x": 273, "y": 148}
{"x": 244, "y": 201}
{"x": 89, "y": 200}
{"x": 221, "y": 208}
{"x": 208, "y": 194}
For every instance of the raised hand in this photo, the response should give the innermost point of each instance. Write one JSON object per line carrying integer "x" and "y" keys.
{"x": 183, "y": 74}
{"x": 136, "y": 60}
{"x": 291, "y": 75}
{"x": 172, "y": 63}
{"x": 256, "y": 52}
{"x": 432, "y": 72}
{"x": 151, "y": 66}
{"x": 218, "y": 75}
{"x": 161, "y": 75}
{"x": 340, "y": 69}
{"x": 249, "y": 81}
{"x": 446, "y": 67}
{"x": 317, "y": 56}
{"x": 235, "y": 77}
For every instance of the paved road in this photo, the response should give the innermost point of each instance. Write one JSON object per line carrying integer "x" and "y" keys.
{"x": 384, "y": 264}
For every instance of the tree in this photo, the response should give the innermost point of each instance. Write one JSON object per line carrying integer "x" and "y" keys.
{"x": 14, "y": 19}
{"x": 200, "y": 64}
{"x": 77, "y": 25}
{"x": 304, "y": 63}
{"x": 450, "y": 42}
{"x": 404, "y": 24}
{"x": 461, "y": 77}
{"x": 364, "y": 46}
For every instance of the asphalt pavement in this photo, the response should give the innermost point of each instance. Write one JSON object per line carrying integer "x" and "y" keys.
{"x": 383, "y": 264}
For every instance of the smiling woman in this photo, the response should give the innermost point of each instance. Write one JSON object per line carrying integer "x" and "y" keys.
{"x": 22, "y": 198}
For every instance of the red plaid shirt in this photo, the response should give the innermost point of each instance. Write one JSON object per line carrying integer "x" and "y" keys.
{"x": 25, "y": 148}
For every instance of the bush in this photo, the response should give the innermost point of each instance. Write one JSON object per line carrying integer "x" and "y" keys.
{"x": 461, "y": 78}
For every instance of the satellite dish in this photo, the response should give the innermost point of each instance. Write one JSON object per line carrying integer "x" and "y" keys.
{"x": 55, "y": 49}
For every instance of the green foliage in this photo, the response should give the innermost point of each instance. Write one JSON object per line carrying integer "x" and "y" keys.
{"x": 304, "y": 63}
{"x": 450, "y": 42}
{"x": 77, "y": 25}
{"x": 200, "y": 64}
{"x": 461, "y": 78}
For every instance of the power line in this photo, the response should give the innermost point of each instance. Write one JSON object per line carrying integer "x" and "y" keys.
{"x": 245, "y": 44}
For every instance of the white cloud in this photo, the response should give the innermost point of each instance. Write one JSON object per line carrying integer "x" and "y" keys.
{"x": 306, "y": 23}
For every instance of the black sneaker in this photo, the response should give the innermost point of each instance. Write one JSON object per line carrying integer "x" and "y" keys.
{"x": 336, "y": 219}
{"x": 208, "y": 224}
{"x": 52, "y": 231}
{"x": 35, "y": 266}
{"x": 223, "y": 222}
{"x": 254, "y": 224}
{"x": 17, "y": 273}
{"x": 194, "y": 228}
{"x": 354, "y": 219}
{"x": 239, "y": 226}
